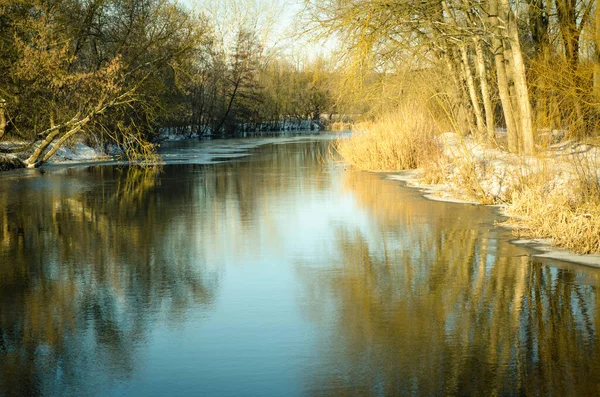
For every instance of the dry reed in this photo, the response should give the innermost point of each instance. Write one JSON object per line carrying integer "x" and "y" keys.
{"x": 403, "y": 140}
{"x": 548, "y": 196}
{"x": 555, "y": 195}
{"x": 543, "y": 207}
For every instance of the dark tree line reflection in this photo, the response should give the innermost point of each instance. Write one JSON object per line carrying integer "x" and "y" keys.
{"x": 91, "y": 259}
{"x": 413, "y": 298}
{"x": 431, "y": 303}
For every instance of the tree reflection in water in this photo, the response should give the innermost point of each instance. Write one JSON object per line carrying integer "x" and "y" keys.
{"x": 92, "y": 259}
{"x": 430, "y": 303}
{"x": 88, "y": 264}
{"x": 404, "y": 296}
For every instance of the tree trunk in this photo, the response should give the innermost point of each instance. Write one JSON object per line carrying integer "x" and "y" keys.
{"x": 229, "y": 106}
{"x": 566, "y": 12}
{"x": 466, "y": 67}
{"x": 597, "y": 53}
{"x": 509, "y": 69}
{"x": 32, "y": 160}
{"x": 485, "y": 90}
{"x": 538, "y": 25}
{"x": 463, "y": 115}
{"x": 503, "y": 80}
{"x": 467, "y": 108}
{"x": 520, "y": 80}
{"x": 3, "y": 121}
{"x": 59, "y": 143}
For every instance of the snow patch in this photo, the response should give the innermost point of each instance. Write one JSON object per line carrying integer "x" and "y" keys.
{"x": 80, "y": 152}
{"x": 496, "y": 174}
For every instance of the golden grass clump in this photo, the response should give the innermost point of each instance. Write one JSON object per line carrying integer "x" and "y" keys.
{"x": 554, "y": 195}
{"x": 399, "y": 141}
{"x": 571, "y": 223}
{"x": 341, "y": 126}
{"x": 570, "y": 217}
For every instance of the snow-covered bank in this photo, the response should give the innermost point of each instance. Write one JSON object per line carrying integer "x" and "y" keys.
{"x": 544, "y": 246}
{"x": 541, "y": 195}
{"x": 436, "y": 192}
{"x": 498, "y": 174}
{"x": 442, "y": 192}
{"x": 80, "y": 152}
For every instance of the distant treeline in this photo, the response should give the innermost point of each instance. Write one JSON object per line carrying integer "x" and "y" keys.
{"x": 119, "y": 70}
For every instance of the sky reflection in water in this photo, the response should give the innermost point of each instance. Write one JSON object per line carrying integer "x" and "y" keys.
{"x": 279, "y": 273}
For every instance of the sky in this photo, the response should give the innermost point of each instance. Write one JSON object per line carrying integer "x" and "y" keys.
{"x": 282, "y": 16}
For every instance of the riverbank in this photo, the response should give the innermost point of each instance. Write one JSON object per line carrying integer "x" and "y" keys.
{"x": 544, "y": 246}
{"x": 77, "y": 152}
{"x": 551, "y": 200}
{"x": 213, "y": 150}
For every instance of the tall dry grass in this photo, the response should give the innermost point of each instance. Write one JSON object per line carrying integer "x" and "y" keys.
{"x": 552, "y": 195}
{"x": 401, "y": 140}
{"x": 565, "y": 209}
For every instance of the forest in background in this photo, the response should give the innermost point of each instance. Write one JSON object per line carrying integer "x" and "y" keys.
{"x": 119, "y": 71}
{"x": 518, "y": 73}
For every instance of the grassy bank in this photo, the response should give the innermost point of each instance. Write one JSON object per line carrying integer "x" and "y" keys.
{"x": 403, "y": 140}
{"x": 554, "y": 194}
{"x": 561, "y": 203}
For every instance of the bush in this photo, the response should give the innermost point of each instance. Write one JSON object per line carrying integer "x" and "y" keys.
{"x": 398, "y": 141}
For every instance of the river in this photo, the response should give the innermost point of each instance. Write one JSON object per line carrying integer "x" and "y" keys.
{"x": 264, "y": 268}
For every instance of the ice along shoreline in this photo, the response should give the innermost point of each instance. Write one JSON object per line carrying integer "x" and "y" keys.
{"x": 542, "y": 248}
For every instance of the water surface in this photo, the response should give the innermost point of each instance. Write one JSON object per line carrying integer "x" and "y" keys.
{"x": 242, "y": 269}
